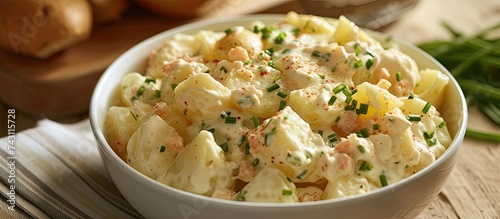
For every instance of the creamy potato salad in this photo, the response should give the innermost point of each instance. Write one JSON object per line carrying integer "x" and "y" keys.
{"x": 301, "y": 110}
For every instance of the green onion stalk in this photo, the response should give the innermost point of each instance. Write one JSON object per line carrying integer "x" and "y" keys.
{"x": 474, "y": 61}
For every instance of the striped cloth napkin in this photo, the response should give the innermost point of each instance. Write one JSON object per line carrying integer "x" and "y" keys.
{"x": 55, "y": 171}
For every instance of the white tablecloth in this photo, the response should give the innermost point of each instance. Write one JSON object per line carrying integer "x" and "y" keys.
{"x": 57, "y": 173}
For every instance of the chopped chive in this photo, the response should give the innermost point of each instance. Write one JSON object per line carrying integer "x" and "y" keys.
{"x": 442, "y": 124}
{"x": 410, "y": 96}
{"x": 363, "y": 109}
{"x": 255, "y": 162}
{"x": 369, "y": 53}
{"x": 225, "y": 114}
{"x": 286, "y": 192}
{"x": 339, "y": 88}
{"x": 426, "y": 107}
{"x": 140, "y": 91}
{"x": 369, "y": 64}
{"x": 414, "y": 118}
{"x": 272, "y": 87}
{"x": 315, "y": 53}
{"x": 270, "y": 64}
{"x": 247, "y": 62}
{"x": 332, "y": 100}
{"x": 247, "y": 148}
{"x": 157, "y": 93}
{"x": 354, "y": 91}
{"x": 383, "y": 180}
{"x": 277, "y": 78}
{"x": 398, "y": 76}
{"x": 365, "y": 166}
{"x": 228, "y": 31}
{"x": 149, "y": 80}
{"x": 133, "y": 115}
{"x": 357, "y": 49}
{"x": 364, "y": 132}
{"x": 266, "y": 33}
{"x": 173, "y": 86}
{"x": 281, "y": 94}
{"x": 256, "y": 29}
{"x": 240, "y": 196}
{"x": 430, "y": 139}
{"x": 361, "y": 148}
{"x": 334, "y": 68}
{"x": 351, "y": 106}
{"x": 333, "y": 137}
{"x": 296, "y": 31}
{"x": 255, "y": 121}
{"x": 347, "y": 92}
{"x": 375, "y": 126}
{"x": 321, "y": 76}
{"x": 223, "y": 69}
{"x": 162, "y": 149}
{"x": 282, "y": 105}
{"x": 230, "y": 120}
{"x": 267, "y": 139}
{"x": 320, "y": 132}
{"x": 242, "y": 139}
{"x": 270, "y": 51}
{"x": 280, "y": 38}
{"x": 212, "y": 130}
{"x": 302, "y": 174}
{"x": 207, "y": 71}
{"x": 337, "y": 119}
{"x": 358, "y": 64}
{"x": 224, "y": 146}
{"x": 261, "y": 56}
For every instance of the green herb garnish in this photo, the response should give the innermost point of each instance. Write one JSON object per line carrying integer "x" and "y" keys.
{"x": 150, "y": 80}
{"x": 255, "y": 121}
{"x": 339, "y": 88}
{"x": 474, "y": 61}
{"x": 280, "y": 38}
{"x": 230, "y": 120}
{"x": 286, "y": 192}
{"x": 365, "y": 166}
{"x": 281, "y": 94}
{"x": 224, "y": 146}
{"x": 414, "y": 118}
{"x": 358, "y": 64}
{"x": 140, "y": 91}
{"x": 282, "y": 105}
{"x": 272, "y": 87}
{"x": 369, "y": 63}
{"x": 426, "y": 107}
{"x": 332, "y": 100}
{"x": 383, "y": 180}
{"x": 398, "y": 76}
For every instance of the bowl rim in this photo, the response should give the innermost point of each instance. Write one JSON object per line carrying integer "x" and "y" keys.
{"x": 109, "y": 154}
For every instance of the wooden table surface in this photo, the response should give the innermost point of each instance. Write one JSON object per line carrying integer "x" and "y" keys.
{"x": 473, "y": 188}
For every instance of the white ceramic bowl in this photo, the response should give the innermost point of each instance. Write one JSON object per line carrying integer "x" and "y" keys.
{"x": 404, "y": 199}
